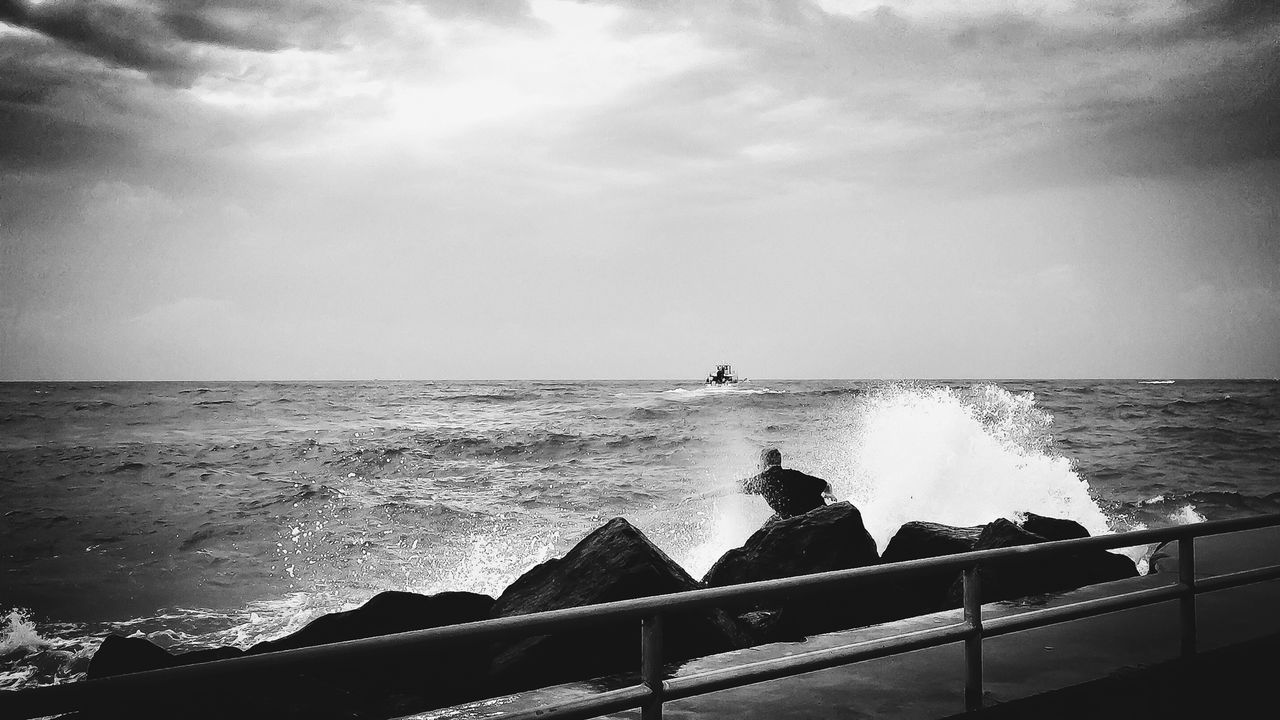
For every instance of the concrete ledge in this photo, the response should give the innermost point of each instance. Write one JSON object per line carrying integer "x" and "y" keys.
{"x": 1236, "y": 681}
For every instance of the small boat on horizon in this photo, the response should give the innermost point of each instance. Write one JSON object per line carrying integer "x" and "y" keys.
{"x": 723, "y": 375}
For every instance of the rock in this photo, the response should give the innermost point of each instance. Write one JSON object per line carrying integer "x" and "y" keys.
{"x": 1053, "y": 528}
{"x": 916, "y": 541}
{"x": 919, "y": 540}
{"x": 402, "y": 681}
{"x": 394, "y": 683}
{"x": 828, "y": 538}
{"x": 119, "y": 655}
{"x": 384, "y": 614}
{"x": 759, "y": 624}
{"x": 1039, "y": 575}
{"x": 614, "y": 562}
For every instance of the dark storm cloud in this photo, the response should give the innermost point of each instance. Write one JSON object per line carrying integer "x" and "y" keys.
{"x": 126, "y": 35}
{"x": 1227, "y": 114}
{"x": 35, "y": 131}
{"x": 984, "y": 102}
{"x": 51, "y": 144}
{"x": 162, "y": 39}
{"x": 195, "y": 25}
{"x": 1236, "y": 16}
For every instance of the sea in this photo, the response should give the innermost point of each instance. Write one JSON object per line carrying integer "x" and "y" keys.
{"x": 205, "y": 514}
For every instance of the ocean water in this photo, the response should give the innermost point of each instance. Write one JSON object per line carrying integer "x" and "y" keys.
{"x": 205, "y": 514}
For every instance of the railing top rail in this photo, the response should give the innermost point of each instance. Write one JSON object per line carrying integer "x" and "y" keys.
{"x": 577, "y": 617}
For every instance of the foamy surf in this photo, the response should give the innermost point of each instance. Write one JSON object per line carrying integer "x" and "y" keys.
{"x": 714, "y": 390}
{"x": 312, "y": 498}
{"x": 36, "y": 656}
{"x": 960, "y": 457}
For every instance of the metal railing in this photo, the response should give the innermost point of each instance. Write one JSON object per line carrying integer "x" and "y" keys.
{"x": 653, "y": 689}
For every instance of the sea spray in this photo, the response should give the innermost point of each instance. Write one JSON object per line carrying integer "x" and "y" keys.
{"x": 447, "y": 486}
{"x": 959, "y": 457}
{"x": 19, "y": 633}
{"x": 492, "y": 562}
{"x": 726, "y": 524}
{"x": 904, "y": 452}
{"x": 31, "y": 655}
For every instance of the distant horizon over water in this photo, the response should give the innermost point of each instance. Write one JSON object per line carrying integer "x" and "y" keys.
{"x": 199, "y": 513}
{"x": 690, "y": 379}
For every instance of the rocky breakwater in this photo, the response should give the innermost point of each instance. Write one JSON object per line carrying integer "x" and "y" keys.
{"x": 828, "y": 538}
{"x": 614, "y": 562}
{"x": 389, "y": 684}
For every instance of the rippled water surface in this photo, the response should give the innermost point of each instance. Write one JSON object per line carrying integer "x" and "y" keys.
{"x": 206, "y": 514}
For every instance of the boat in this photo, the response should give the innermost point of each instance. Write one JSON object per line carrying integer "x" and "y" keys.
{"x": 723, "y": 375}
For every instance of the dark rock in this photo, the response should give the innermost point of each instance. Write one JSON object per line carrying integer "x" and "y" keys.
{"x": 400, "y": 681}
{"x": 384, "y": 614}
{"x": 393, "y": 683}
{"x": 614, "y": 562}
{"x": 119, "y": 655}
{"x": 1053, "y": 528}
{"x": 916, "y": 541}
{"x": 760, "y": 625}
{"x": 1038, "y": 575}
{"x": 919, "y": 540}
{"x": 209, "y": 655}
{"x": 828, "y": 538}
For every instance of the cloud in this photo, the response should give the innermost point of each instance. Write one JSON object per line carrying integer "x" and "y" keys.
{"x": 1234, "y": 16}
{"x": 127, "y": 35}
{"x": 466, "y": 158}
{"x": 504, "y": 12}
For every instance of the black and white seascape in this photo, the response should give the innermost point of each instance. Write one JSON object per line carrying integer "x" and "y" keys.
{"x": 206, "y": 514}
{"x": 308, "y": 300}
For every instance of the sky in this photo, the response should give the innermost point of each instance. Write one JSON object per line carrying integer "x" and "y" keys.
{"x": 442, "y": 189}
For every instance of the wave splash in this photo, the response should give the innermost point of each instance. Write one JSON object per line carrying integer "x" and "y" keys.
{"x": 960, "y": 457}
{"x": 31, "y": 658}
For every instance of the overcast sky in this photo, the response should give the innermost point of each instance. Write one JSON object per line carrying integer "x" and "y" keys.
{"x": 639, "y": 189}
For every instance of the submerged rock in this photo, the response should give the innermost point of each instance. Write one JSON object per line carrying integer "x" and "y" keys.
{"x": 614, "y": 562}
{"x": 828, "y": 538}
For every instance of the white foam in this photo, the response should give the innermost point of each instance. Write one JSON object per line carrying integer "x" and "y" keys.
{"x": 19, "y": 632}
{"x": 959, "y": 457}
{"x": 956, "y": 456}
{"x": 1186, "y": 515}
{"x": 710, "y": 390}
{"x": 493, "y": 561}
{"x": 727, "y": 523}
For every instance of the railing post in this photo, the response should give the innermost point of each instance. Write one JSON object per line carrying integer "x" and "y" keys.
{"x": 973, "y": 643}
{"x": 651, "y": 665}
{"x": 1187, "y": 578}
